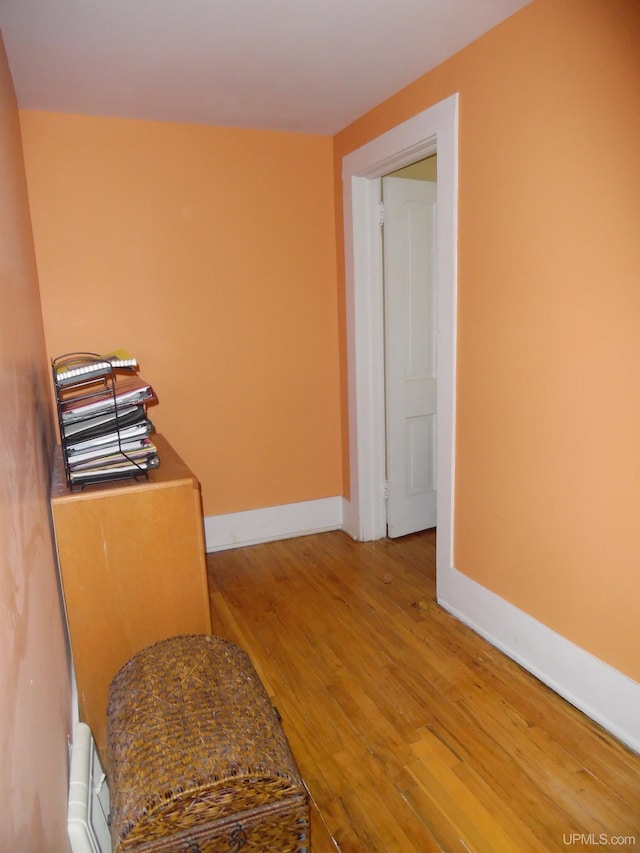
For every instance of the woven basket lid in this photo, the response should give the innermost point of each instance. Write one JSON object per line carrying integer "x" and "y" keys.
{"x": 192, "y": 738}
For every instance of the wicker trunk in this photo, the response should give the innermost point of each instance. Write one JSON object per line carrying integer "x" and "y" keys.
{"x": 198, "y": 761}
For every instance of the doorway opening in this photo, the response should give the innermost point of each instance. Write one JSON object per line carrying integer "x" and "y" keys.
{"x": 433, "y": 131}
{"x": 408, "y": 223}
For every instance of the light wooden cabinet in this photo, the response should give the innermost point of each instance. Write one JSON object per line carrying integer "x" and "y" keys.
{"x": 132, "y": 564}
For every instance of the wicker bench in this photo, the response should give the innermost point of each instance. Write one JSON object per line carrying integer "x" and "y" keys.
{"x": 197, "y": 758}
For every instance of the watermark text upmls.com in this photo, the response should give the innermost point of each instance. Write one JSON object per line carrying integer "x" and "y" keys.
{"x": 601, "y": 839}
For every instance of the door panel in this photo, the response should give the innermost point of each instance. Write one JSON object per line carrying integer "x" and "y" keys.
{"x": 409, "y": 233}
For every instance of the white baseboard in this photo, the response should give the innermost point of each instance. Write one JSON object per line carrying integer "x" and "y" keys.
{"x": 603, "y": 693}
{"x": 271, "y": 523}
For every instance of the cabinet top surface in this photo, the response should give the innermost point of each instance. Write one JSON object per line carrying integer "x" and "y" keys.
{"x": 171, "y": 470}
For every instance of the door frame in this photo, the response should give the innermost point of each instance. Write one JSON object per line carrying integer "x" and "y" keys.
{"x": 433, "y": 131}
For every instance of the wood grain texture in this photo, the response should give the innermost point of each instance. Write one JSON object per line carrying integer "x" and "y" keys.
{"x": 411, "y": 731}
{"x": 132, "y": 563}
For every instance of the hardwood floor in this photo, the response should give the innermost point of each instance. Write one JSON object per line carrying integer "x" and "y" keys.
{"x": 411, "y": 732}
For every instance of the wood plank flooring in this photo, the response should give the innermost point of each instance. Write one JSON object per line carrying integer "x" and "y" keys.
{"x": 411, "y": 732}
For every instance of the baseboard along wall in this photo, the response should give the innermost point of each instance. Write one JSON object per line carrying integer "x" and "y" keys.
{"x": 604, "y": 694}
{"x": 252, "y": 527}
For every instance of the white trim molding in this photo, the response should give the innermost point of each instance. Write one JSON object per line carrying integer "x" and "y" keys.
{"x": 433, "y": 131}
{"x": 601, "y": 692}
{"x": 238, "y": 529}
{"x": 604, "y": 694}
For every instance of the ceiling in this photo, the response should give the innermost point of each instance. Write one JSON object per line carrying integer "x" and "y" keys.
{"x": 311, "y": 66}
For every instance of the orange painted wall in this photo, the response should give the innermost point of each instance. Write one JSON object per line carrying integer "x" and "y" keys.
{"x": 35, "y": 697}
{"x": 547, "y": 493}
{"x": 209, "y": 253}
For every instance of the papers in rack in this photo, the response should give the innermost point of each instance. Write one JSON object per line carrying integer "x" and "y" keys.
{"x": 99, "y": 424}
{"x": 102, "y": 415}
{"x": 118, "y": 437}
{"x": 112, "y": 470}
{"x": 127, "y": 391}
{"x": 129, "y": 450}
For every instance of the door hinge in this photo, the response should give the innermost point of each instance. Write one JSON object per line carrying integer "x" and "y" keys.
{"x": 385, "y": 491}
{"x": 381, "y": 212}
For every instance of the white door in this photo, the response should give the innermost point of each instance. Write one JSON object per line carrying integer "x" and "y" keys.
{"x": 409, "y": 241}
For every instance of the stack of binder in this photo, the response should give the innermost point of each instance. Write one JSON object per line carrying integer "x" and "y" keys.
{"x": 105, "y": 431}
